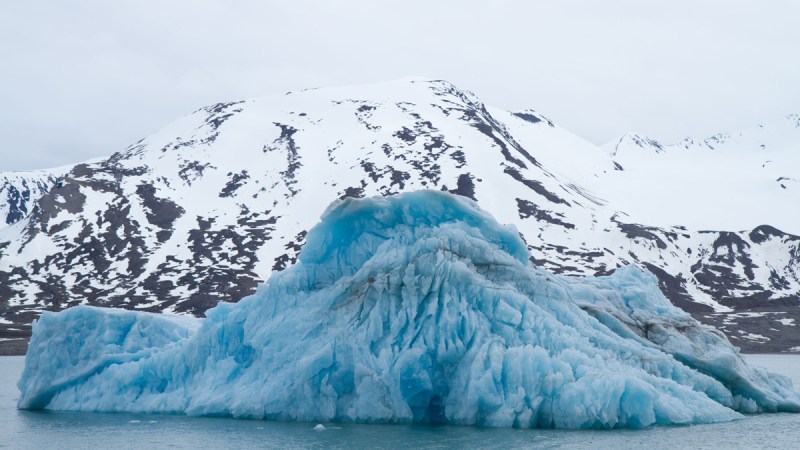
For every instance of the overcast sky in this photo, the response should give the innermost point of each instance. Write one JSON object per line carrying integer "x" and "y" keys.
{"x": 80, "y": 79}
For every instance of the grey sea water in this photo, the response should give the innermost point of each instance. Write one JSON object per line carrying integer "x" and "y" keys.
{"x": 42, "y": 429}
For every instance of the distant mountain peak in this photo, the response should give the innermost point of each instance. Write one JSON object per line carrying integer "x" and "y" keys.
{"x": 635, "y": 141}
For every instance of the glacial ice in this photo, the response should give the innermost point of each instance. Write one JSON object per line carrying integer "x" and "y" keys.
{"x": 414, "y": 308}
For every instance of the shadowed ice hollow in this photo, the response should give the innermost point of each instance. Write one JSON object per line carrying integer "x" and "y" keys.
{"x": 414, "y": 308}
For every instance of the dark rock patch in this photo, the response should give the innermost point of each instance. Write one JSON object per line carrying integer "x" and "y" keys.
{"x": 354, "y": 192}
{"x": 190, "y": 171}
{"x": 674, "y": 288}
{"x": 236, "y": 181}
{"x": 286, "y": 142}
{"x": 535, "y": 186}
{"x": 527, "y": 209}
{"x": 635, "y": 231}
{"x": 293, "y": 250}
{"x": 219, "y": 113}
{"x": 464, "y": 186}
{"x": 160, "y": 212}
{"x": 763, "y": 233}
{"x": 527, "y": 117}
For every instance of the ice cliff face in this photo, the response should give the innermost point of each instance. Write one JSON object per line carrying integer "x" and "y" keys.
{"x": 203, "y": 210}
{"x": 418, "y": 307}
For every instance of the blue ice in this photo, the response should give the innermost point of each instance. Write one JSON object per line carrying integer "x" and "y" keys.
{"x": 414, "y": 308}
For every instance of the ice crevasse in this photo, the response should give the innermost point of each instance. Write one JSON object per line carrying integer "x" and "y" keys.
{"x": 414, "y": 308}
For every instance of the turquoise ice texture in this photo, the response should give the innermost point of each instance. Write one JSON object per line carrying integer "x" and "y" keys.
{"x": 414, "y": 308}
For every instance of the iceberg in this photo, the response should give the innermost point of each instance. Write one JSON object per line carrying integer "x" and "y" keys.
{"x": 416, "y": 308}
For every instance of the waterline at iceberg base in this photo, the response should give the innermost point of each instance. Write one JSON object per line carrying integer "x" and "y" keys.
{"x": 414, "y": 308}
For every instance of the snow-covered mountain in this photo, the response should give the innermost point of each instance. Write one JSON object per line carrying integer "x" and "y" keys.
{"x": 206, "y": 208}
{"x": 728, "y": 181}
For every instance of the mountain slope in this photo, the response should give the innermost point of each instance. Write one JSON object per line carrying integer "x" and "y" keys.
{"x": 19, "y": 192}
{"x": 205, "y": 209}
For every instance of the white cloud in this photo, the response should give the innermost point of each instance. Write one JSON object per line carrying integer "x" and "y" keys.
{"x": 83, "y": 79}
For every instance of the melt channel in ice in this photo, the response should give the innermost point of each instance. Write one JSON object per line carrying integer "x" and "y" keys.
{"x": 414, "y": 308}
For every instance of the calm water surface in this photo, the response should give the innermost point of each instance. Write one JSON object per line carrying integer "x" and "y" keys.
{"x": 38, "y": 429}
